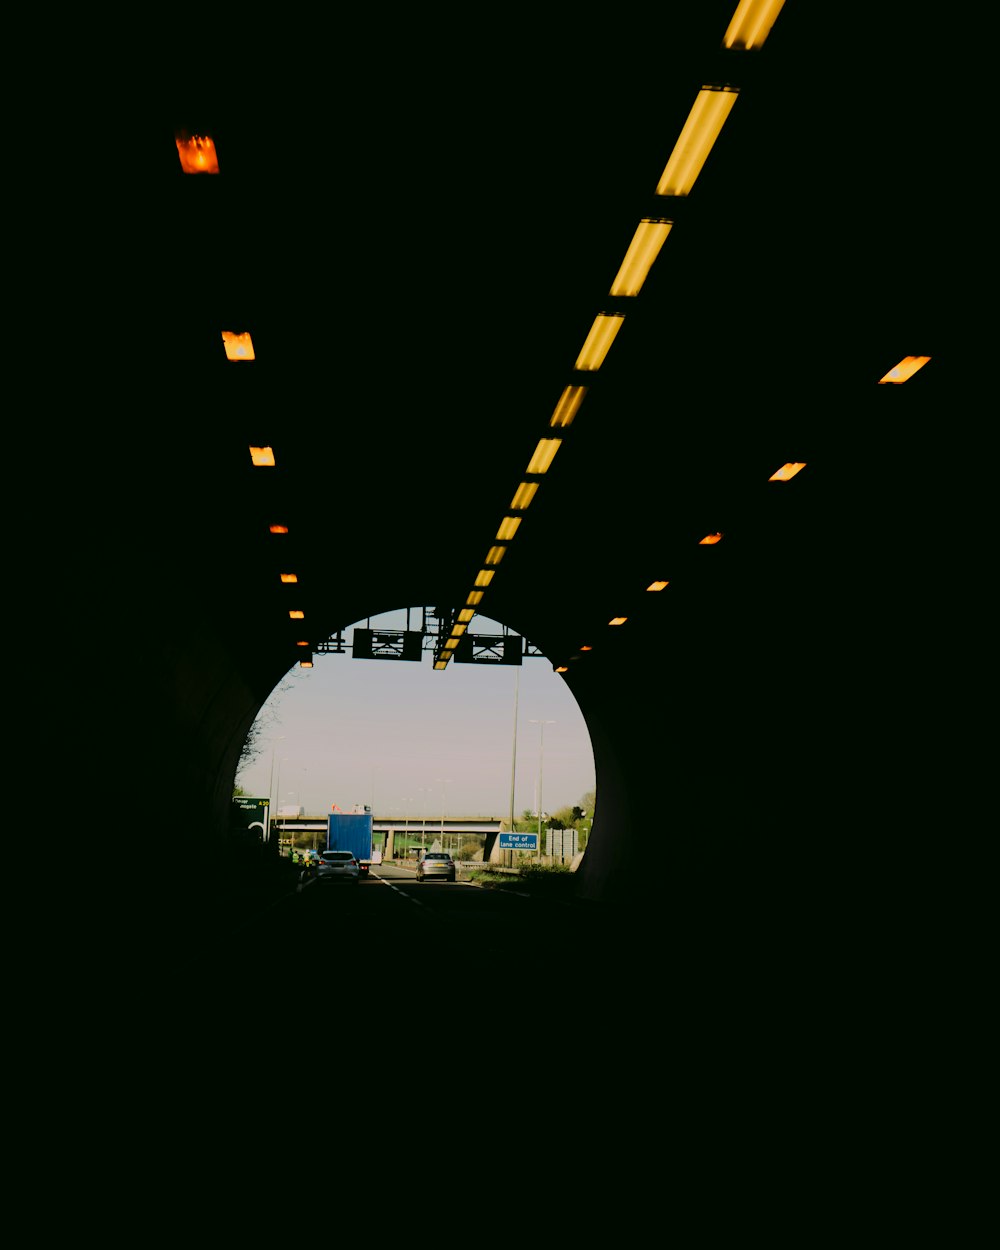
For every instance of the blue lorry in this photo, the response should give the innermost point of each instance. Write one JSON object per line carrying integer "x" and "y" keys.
{"x": 351, "y": 831}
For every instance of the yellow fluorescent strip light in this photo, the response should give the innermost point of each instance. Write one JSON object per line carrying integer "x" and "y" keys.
{"x": 458, "y": 630}
{"x": 566, "y": 409}
{"x": 544, "y": 455}
{"x": 297, "y": 616}
{"x": 289, "y": 577}
{"x": 466, "y": 615}
{"x": 495, "y": 555}
{"x": 787, "y": 471}
{"x": 705, "y": 121}
{"x": 618, "y": 620}
{"x": 484, "y": 577}
{"x": 598, "y": 341}
{"x": 906, "y": 368}
{"x": 474, "y": 597}
{"x": 649, "y": 237}
{"x": 751, "y": 23}
{"x": 710, "y": 540}
{"x": 278, "y": 529}
{"x": 508, "y": 528}
{"x": 441, "y": 664}
{"x": 305, "y": 663}
{"x": 657, "y": 585}
{"x": 452, "y": 642}
{"x": 261, "y": 455}
{"x": 238, "y": 346}
{"x": 302, "y": 643}
{"x": 524, "y": 495}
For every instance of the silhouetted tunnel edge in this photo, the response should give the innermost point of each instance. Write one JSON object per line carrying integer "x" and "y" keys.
{"x": 703, "y": 786}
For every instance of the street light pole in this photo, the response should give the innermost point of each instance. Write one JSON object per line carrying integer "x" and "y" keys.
{"x": 513, "y": 763}
{"x": 270, "y": 789}
{"x": 406, "y": 827}
{"x": 423, "y": 819}
{"x": 541, "y": 749}
{"x": 277, "y": 796}
{"x": 444, "y": 786}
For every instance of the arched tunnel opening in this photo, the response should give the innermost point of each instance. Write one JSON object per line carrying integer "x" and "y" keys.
{"x": 366, "y": 721}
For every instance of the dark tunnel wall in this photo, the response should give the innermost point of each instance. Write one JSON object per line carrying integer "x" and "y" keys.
{"x": 782, "y": 769}
{"x": 745, "y": 735}
{"x": 789, "y": 737}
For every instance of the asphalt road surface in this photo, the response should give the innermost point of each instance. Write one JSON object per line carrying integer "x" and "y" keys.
{"x": 390, "y": 951}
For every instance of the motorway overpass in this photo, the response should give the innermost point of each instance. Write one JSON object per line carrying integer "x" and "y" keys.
{"x": 386, "y": 829}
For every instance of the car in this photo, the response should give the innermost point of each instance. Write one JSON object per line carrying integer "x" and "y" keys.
{"x": 337, "y": 866}
{"x": 437, "y": 865}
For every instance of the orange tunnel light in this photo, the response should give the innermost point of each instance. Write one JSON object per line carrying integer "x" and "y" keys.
{"x": 197, "y": 154}
{"x": 238, "y": 346}
{"x": 710, "y": 540}
{"x": 906, "y": 368}
{"x": 787, "y": 471}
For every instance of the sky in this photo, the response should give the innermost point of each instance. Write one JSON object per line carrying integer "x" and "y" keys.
{"x": 411, "y": 741}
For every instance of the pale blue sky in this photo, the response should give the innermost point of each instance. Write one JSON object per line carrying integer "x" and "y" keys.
{"x": 405, "y": 738}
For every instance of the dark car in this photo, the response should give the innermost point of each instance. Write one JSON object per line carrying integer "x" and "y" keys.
{"x": 337, "y": 866}
{"x": 436, "y": 866}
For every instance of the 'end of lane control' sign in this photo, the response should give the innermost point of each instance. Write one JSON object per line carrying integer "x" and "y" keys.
{"x": 518, "y": 841}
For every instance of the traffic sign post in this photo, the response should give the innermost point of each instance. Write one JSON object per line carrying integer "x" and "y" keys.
{"x": 518, "y": 841}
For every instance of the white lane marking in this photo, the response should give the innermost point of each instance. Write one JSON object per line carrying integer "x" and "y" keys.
{"x": 409, "y": 898}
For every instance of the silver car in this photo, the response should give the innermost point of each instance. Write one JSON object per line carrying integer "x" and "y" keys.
{"x": 337, "y": 866}
{"x": 436, "y": 865}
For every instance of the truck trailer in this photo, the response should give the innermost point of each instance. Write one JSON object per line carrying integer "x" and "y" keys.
{"x": 351, "y": 831}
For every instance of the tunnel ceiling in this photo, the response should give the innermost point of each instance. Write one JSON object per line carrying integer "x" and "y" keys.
{"x": 418, "y": 231}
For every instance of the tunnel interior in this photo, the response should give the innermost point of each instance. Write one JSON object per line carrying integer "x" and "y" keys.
{"x": 417, "y": 304}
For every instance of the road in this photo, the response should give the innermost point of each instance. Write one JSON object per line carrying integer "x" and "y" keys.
{"x": 389, "y": 964}
{"x": 390, "y": 949}
{"x": 395, "y": 922}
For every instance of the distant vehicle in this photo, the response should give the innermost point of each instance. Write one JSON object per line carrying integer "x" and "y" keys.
{"x": 436, "y": 865}
{"x": 351, "y": 831}
{"x": 338, "y": 866}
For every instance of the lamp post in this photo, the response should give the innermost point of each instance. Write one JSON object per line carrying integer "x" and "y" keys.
{"x": 271, "y": 799}
{"x": 444, "y": 786}
{"x": 541, "y": 749}
{"x": 295, "y": 805}
{"x": 423, "y": 817}
{"x": 513, "y": 765}
{"x": 406, "y": 827}
{"x": 277, "y": 793}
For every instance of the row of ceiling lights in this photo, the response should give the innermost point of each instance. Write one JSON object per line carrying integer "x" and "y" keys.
{"x": 747, "y": 31}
